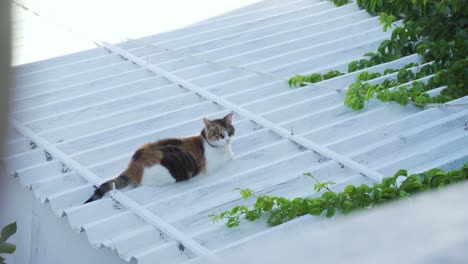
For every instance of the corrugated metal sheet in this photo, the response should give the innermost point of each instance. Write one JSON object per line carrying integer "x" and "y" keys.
{"x": 98, "y": 106}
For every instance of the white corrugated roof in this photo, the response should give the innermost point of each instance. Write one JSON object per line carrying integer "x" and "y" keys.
{"x": 94, "y": 108}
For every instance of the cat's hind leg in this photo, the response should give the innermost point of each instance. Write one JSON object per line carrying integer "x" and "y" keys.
{"x": 157, "y": 175}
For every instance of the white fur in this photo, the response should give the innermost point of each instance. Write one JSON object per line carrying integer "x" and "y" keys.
{"x": 157, "y": 175}
{"x": 217, "y": 157}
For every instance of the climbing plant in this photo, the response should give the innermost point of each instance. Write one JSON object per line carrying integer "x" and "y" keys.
{"x": 5, "y": 247}
{"x": 340, "y": 2}
{"x": 437, "y": 30}
{"x": 280, "y": 209}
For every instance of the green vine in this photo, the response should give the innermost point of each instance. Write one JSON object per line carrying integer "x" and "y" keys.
{"x": 5, "y": 247}
{"x": 302, "y": 80}
{"x": 437, "y": 30}
{"x": 352, "y": 198}
{"x": 340, "y": 2}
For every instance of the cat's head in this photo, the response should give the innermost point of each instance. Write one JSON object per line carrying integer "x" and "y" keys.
{"x": 218, "y": 132}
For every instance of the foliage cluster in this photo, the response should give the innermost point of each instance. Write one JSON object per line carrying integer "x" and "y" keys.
{"x": 437, "y": 30}
{"x": 280, "y": 209}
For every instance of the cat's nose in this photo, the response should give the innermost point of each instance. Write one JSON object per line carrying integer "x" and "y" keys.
{"x": 228, "y": 140}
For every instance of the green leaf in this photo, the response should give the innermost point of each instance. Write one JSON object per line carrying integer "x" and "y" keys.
{"x": 349, "y": 189}
{"x": 8, "y": 231}
{"x": 315, "y": 77}
{"x": 364, "y": 189}
{"x": 404, "y": 194}
{"x": 246, "y": 193}
{"x": 347, "y": 206}
{"x": 411, "y": 185}
{"x": 332, "y": 74}
{"x": 389, "y": 193}
{"x": 234, "y": 210}
{"x": 315, "y": 210}
{"x": 252, "y": 215}
{"x": 232, "y": 222}
{"x": 7, "y": 248}
{"x": 330, "y": 212}
{"x": 352, "y": 66}
{"x": 300, "y": 78}
{"x": 260, "y": 203}
{"x": 268, "y": 203}
{"x": 276, "y": 218}
{"x": 388, "y": 181}
{"x": 435, "y": 172}
{"x": 292, "y": 214}
{"x": 320, "y": 186}
{"x": 399, "y": 173}
{"x": 369, "y": 94}
{"x": 329, "y": 195}
{"x": 436, "y": 181}
{"x": 354, "y": 98}
{"x": 386, "y": 20}
{"x": 215, "y": 218}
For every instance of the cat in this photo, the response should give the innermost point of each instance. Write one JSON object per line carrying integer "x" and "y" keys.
{"x": 176, "y": 159}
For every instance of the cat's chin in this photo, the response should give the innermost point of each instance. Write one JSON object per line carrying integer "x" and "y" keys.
{"x": 219, "y": 144}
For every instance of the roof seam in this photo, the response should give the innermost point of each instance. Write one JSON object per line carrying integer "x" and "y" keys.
{"x": 62, "y": 88}
{"x": 268, "y": 74}
{"x": 256, "y": 39}
{"x": 132, "y": 205}
{"x": 91, "y": 93}
{"x": 368, "y": 172}
{"x": 224, "y": 65}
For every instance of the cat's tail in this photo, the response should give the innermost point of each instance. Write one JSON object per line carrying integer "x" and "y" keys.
{"x": 127, "y": 177}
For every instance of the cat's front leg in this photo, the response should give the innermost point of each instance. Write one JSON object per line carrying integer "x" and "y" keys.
{"x": 231, "y": 154}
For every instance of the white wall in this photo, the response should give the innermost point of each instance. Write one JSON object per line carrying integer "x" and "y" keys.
{"x": 42, "y": 237}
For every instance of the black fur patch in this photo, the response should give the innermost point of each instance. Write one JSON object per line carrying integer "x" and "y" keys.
{"x": 125, "y": 179}
{"x": 120, "y": 182}
{"x": 169, "y": 142}
{"x": 99, "y": 192}
{"x": 203, "y": 133}
{"x": 137, "y": 154}
{"x": 180, "y": 164}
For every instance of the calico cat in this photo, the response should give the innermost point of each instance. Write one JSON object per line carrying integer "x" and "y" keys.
{"x": 176, "y": 159}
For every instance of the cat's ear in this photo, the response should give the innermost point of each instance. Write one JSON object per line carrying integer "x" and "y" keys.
{"x": 228, "y": 118}
{"x": 207, "y": 122}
